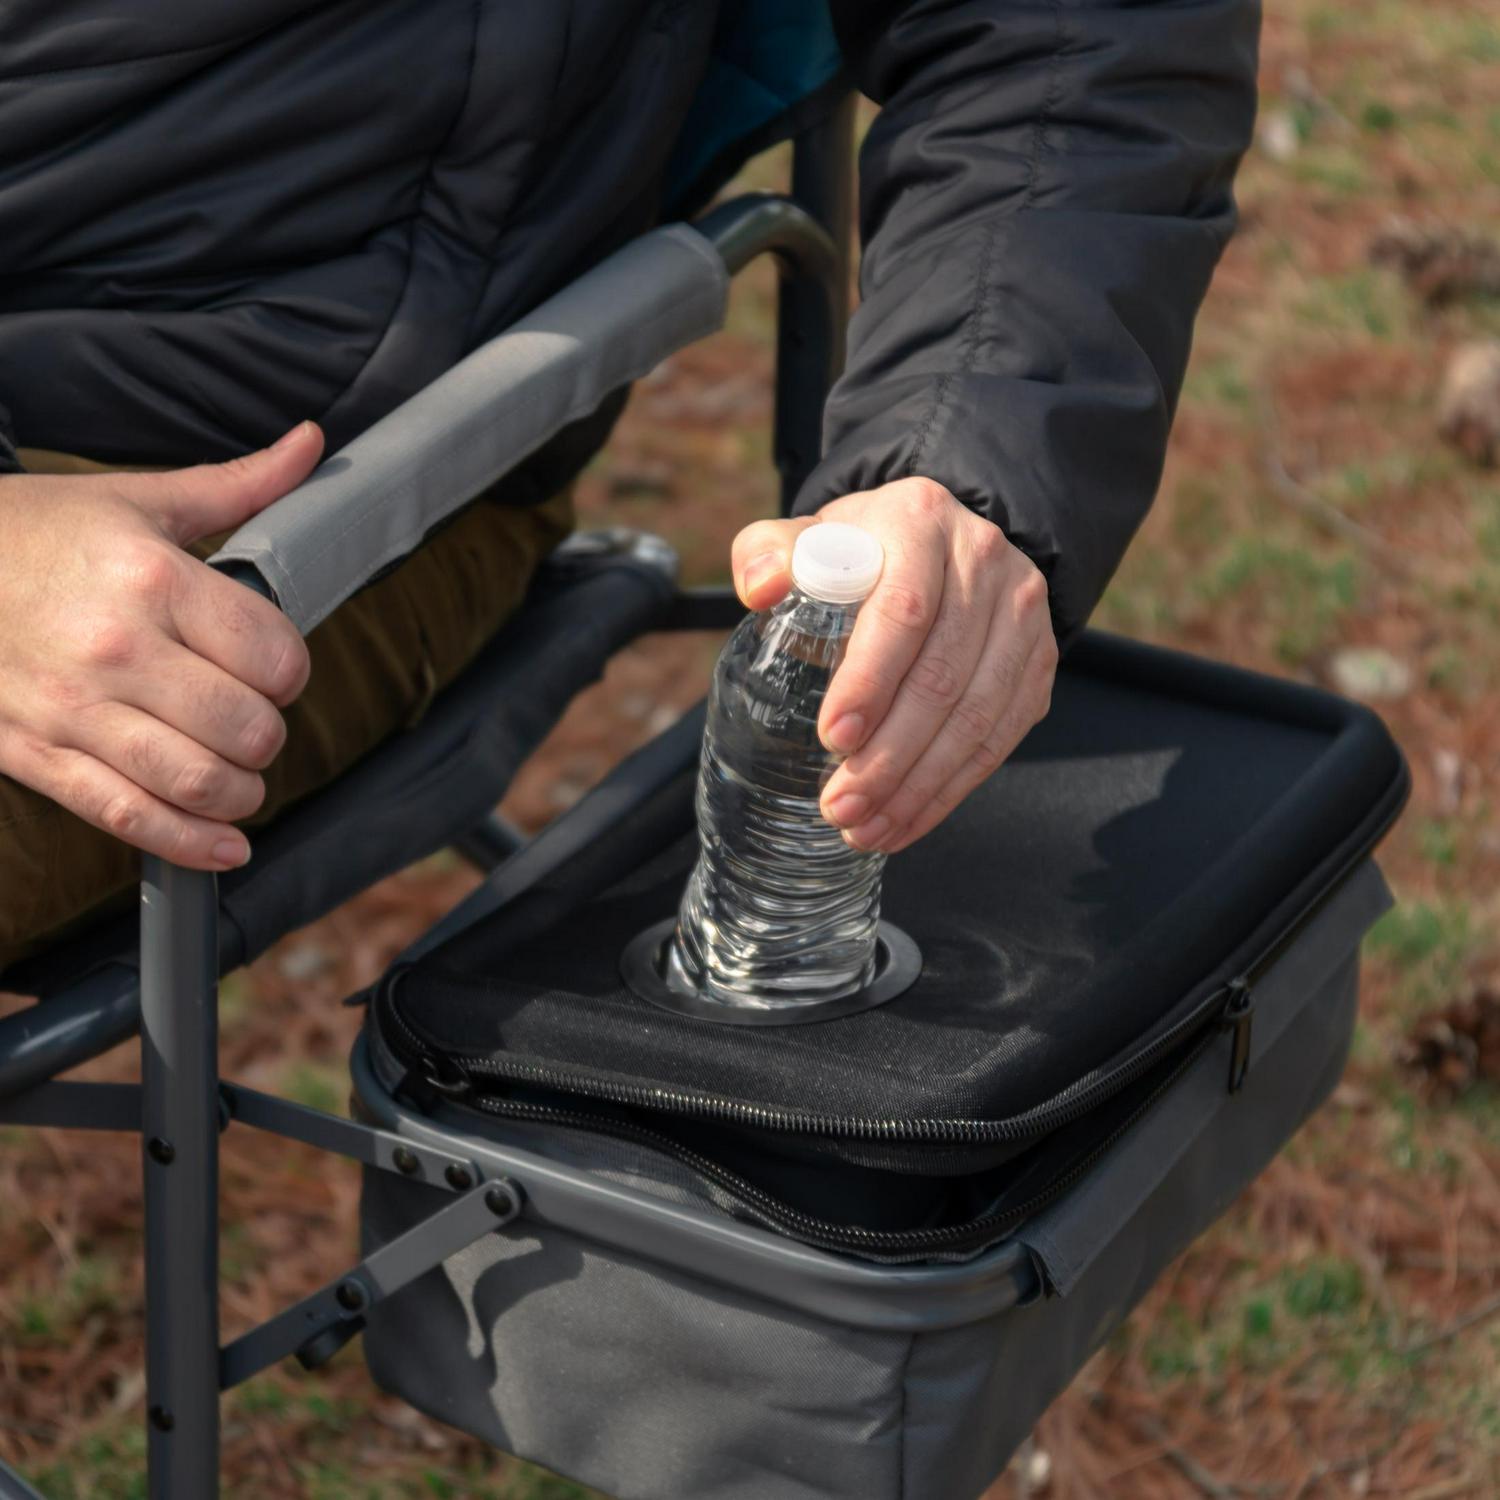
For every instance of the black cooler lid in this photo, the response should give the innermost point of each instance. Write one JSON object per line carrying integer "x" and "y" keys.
{"x": 1156, "y": 835}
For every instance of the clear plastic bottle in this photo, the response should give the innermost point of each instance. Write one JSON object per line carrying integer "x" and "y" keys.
{"x": 779, "y": 911}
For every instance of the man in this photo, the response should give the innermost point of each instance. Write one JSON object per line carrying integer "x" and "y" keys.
{"x": 267, "y": 222}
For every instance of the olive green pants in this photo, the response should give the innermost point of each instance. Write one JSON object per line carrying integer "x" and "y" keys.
{"x": 377, "y": 663}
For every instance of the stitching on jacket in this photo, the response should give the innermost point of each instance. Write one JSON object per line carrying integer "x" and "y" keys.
{"x": 526, "y": 179}
{"x": 416, "y": 218}
{"x": 119, "y": 63}
{"x": 974, "y": 320}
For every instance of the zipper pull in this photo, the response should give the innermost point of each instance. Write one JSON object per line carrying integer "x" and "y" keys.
{"x": 1239, "y": 1015}
{"x": 448, "y": 1076}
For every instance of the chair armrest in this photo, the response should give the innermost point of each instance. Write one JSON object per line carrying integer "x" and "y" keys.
{"x": 375, "y": 500}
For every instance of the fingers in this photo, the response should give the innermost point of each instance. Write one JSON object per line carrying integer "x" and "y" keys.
{"x": 112, "y": 802}
{"x": 208, "y": 705}
{"x": 893, "y": 623}
{"x": 762, "y": 561}
{"x": 986, "y": 760}
{"x": 248, "y": 637}
{"x": 196, "y": 502}
{"x": 940, "y": 693}
{"x": 957, "y": 761}
{"x": 167, "y": 764}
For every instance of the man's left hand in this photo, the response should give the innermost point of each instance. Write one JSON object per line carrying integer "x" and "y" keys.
{"x": 951, "y": 660}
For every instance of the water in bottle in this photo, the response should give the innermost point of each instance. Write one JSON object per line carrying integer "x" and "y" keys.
{"x": 779, "y": 911}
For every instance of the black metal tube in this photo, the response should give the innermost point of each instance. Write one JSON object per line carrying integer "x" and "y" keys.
{"x": 180, "y": 1139}
{"x": 86, "y": 1019}
{"x": 13, "y": 1487}
{"x": 768, "y": 223}
{"x": 823, "y": 184}
{"x": 809, "y": 317}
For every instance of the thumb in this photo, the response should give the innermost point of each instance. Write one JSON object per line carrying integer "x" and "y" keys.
{"x": 197, "y": 502}
{"x": 762, "y": 560}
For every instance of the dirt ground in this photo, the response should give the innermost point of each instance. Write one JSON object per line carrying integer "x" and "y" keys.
{"x": 1338, "y": 1334}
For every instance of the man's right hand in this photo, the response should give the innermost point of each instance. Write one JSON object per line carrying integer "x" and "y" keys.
{"x": 140, "y": 688}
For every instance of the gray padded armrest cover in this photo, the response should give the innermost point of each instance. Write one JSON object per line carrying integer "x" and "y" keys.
{"x": 374, "y": 501}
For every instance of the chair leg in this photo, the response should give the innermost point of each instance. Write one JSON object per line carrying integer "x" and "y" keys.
{"x": 180, "y": 1138}
{"x": 13, "y": 1487}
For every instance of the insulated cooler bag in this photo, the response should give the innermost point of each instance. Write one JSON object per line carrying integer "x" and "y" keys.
{"x": 857, "y": 1258}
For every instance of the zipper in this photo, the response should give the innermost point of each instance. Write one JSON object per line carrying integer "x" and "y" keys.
{"x": 456, "y": 1076}
{"x": 772, "y": 1213}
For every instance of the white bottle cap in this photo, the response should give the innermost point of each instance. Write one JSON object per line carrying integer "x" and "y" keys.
{"x": 836, "y": 562}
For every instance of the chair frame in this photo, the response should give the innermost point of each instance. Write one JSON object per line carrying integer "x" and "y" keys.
{"x": 181, "y": 1105}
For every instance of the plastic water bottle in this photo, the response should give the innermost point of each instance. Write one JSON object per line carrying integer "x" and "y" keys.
{"x": 779, "y": 911}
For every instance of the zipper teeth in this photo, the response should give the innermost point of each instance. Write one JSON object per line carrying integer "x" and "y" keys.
{"x": 822, "y": 1232}
{"x": 1019, "y": 1128}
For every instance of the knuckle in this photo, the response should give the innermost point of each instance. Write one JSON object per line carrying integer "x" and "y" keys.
{"x": 181, "y": 843}
{"x": 254, "y": 798}
{"x": 988, "y": 544}
{"x": 146, "y": 570}
{"x": 199, "y": 785}
{"x": 855, "y": 680}
{"x": 141, "y": 755}
{"x": 900, "y": 605}
{"x": 929, "y": 498}
{"x": 290, "y": 665}
{"x": 878, "y": 778}
{"x": 123, "y": 815}
{"x": 933, "y": 681}
{"x": 1031, "y": 593}
{"x": 972, "y": 719}
{"x": 1048, "y": 654}
{"x": 947, "y": 796}
{"x": 105, "y": 642}
{"x": 1041, "y": 704}
{"x": 262, "y": 737}
{"x": 988, "y": 757}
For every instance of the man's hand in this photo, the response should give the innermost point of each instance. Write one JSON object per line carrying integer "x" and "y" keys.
{"x": 138, "y": 687}
{"x": 951, "y": 660}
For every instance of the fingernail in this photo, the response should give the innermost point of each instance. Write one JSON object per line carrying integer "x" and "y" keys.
{"x": 848, "y": 809}
{"x": 845, "y": 733}
{"x": 288, "y": 438}
{"x": 230, "y": 853}
{"x": 758, "y": 569}
{"x": 867, "y": 835}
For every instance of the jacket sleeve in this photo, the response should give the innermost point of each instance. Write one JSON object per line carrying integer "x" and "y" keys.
{"x": 1044, "y": 196}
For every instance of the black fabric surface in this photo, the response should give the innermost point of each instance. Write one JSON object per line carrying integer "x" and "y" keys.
{"x": 216, "y": 220}
{"x": 1151, "y": 838}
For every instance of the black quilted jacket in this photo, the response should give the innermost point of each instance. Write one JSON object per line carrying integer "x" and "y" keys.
{"x": 217, "y": 219}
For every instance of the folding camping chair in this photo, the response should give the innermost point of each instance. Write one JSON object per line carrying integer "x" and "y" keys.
{"x": 684, "y": 1261}
{"x": 429, "y": 788}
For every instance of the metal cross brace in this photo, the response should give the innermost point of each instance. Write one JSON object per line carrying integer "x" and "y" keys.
{"x": 318, "y": 1326}
{"x": 352, "y": 1138}
{"x": 117, "y": 1106}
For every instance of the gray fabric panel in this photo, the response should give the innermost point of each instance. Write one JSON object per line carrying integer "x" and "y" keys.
{"x": 374, "y": 501}
{"x": 1065, "y": 1239}
{"x": 974, "y": 1393}
{"x": 653, "y": 1385}
{"x": 644, "y": 1383}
